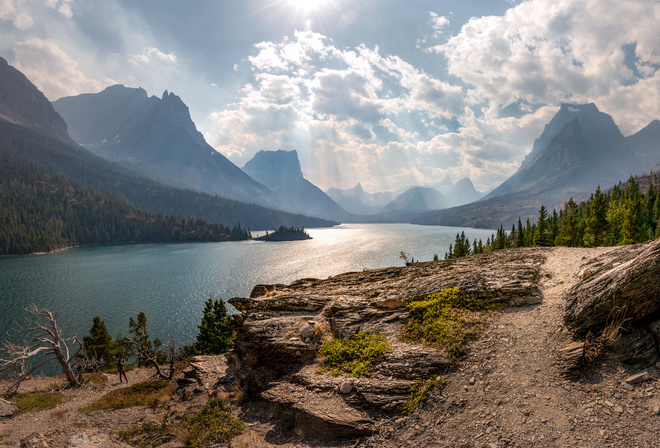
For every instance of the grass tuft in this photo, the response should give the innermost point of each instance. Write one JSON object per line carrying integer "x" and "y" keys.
{"x": 139, "y": 394}
{"x": 355, "y": 355}
{"x": 34, "y": 401}
{"x": 419, "y": 392}
{"x": 445, "y": 320}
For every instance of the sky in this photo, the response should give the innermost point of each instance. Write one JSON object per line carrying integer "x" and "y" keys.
{"x": 387, "y": 93}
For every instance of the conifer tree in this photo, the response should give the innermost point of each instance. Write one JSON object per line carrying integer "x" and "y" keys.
{"x": 595, "y": 233}
{"x": 541, "y": 237}
{"x": 99, "y": 342}
{"x": 215, "y": 330}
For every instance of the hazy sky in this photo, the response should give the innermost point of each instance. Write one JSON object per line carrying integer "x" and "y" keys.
{"x": 384, "y": 92}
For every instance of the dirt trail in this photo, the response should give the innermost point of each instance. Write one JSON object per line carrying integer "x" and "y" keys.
{"x": 509, "y": 391}
{"x": 67, "y": 425}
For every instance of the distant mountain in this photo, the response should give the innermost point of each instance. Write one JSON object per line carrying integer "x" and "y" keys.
{"x": 358, "y": 201}
{"x": 157, "y": 137}
{"x": 462, "y": 193}
{"x": 416, "y": 199}
{"x": 646, "y": 146}
{"x": 445, "y": 186}
{"x": 280, "y": 171}
{"x": 579, "y": 149}
{"x": 23, "y": 104}
{"x": 36, "y": 146}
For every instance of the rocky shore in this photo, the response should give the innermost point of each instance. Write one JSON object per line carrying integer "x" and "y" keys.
{"x": 569, "y": 360}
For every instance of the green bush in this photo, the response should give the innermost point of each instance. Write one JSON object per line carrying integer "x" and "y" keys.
{"x": 355, "y": 355}
{"x": 445, "y": 320}
{"x": 211, "y": 424}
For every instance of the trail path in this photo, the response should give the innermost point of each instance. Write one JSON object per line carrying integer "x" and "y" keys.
{"x": 65, "y": 424}
{"x": 509, "y": 391}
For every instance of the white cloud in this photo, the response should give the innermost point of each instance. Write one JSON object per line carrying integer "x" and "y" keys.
{"x": 52, "y": 71}
{"x": 23, "y": 21}
{"x": 152, "y": 55}
{"x": 333, "y": 105}
{"x": 438, "y": 23}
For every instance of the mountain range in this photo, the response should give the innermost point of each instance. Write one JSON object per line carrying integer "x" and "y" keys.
{"x": 578, "y": 150}
{"x": 157, "y": 137}
{"x": 33, "y": 137}
{"x": 408, "y": 200}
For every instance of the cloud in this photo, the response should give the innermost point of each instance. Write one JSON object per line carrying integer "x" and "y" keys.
{"x": 23, "y": 21}
{"x": 52, "y": 71}
{"x": 332, "y": 103}
{"x": 152, "y": 55}
{"x": 548, "y": 51}
{"x": 438, "y": 23}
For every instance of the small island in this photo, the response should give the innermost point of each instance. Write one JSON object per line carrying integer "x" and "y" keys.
{"x": 286, "y": 234}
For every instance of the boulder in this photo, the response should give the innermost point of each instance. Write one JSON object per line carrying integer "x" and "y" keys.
{"x": 7, "y": 409}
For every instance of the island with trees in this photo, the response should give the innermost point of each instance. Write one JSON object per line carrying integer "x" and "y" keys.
{"x": 286, "y": 234}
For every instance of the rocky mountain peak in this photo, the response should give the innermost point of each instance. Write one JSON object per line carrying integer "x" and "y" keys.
{"x": 23, "y": 104}
{"x": 272, "y": 167}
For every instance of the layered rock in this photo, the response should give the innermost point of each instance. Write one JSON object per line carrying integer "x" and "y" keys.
{"x": 621, "y": 287}
{"x": 281, "y": 327}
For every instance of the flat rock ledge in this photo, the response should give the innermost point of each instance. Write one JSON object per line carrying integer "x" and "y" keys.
{"x": 281, "y": 327}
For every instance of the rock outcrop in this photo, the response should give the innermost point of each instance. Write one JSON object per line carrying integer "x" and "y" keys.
{"x": 621, "y": 287}
{"x": 7, "y": 409}
{"x": 281, "y": 327}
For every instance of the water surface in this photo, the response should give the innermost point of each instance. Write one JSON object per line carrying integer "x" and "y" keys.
{"x": 170, "y": 282}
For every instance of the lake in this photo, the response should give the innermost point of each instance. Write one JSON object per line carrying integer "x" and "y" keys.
{"x": 170, "y": 282}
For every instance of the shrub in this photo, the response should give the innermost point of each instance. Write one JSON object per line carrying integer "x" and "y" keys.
{"x": 445, "y": 320}
{"x": 35, "y": 401}
{"x": 355, "y": 355}
{"x": 211, "y": 424}
{"x": 139, "y": 394}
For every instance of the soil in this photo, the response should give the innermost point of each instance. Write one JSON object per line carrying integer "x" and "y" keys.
{"x": 509, "y": 391}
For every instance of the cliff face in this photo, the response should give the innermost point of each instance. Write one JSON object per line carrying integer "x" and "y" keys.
{"x": 23, "y": 104}
{"x": 281, "y": 328}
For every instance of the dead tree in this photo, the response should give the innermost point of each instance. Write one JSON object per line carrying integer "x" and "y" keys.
{"x": 42, "y": 337}
{"x": 170, "y": 354}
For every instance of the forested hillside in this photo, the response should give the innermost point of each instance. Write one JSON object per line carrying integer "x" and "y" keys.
{"x": 41, "y": 211}
{"x": 627, "y": 213}
{"x": 80, "y": 165}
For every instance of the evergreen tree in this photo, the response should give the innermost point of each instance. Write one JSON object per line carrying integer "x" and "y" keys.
{"x": 632, "y": 230}
{"x": 595, "y": 232}
{"x": 542, "y": 236}
{"x": 521, "y": 234}
{"x": 215, "y": 331}
{"x": 569, "y": 231}
{"x": 99, "y": 342}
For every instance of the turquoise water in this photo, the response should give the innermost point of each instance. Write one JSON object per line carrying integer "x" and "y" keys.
{"x": 170, "y": 282}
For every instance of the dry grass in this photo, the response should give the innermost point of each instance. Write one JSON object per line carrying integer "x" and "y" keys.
{"x": 140, "y": 394}
{"x": 596, "y": 346}
{"x": 34, "y": 401}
